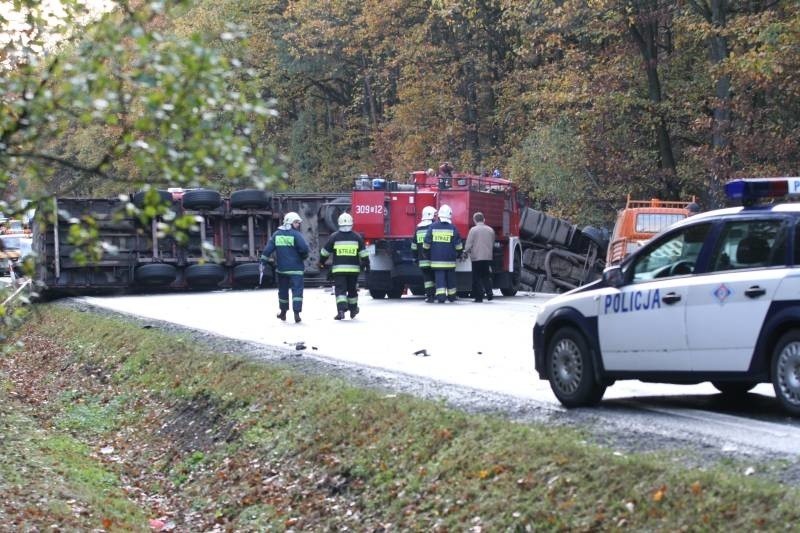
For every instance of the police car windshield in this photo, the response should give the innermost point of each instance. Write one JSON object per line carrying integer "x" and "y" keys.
{"x": 674, "y": 256}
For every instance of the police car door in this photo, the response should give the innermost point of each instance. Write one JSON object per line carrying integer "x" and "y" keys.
{"x": 727, "y": 306}
{"x": 642, "y": 325}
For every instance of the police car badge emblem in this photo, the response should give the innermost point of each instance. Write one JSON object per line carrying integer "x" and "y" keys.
{"x": 721, "y": 293}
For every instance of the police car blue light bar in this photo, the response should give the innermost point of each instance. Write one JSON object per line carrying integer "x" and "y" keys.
{"x": 749, "y": 190}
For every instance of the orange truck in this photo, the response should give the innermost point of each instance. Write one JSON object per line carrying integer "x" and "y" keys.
{"x": 642, "y": 219}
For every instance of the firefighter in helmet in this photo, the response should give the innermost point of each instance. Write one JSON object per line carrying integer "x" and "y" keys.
{"x": 422, "y": 255}
{"x": 291, "y": 250}
{"x": 349, "y": 257}
{"x": 444, "y": 245}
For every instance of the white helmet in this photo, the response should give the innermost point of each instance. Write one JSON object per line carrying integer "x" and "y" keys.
{"x": 445, "y": 213}
{"x": 345, "y": 222}
{"x": 290, "y": 218}
{"x": 428, "y": 212}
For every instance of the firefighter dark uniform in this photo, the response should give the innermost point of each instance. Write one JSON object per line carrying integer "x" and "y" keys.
{"x": 421, "y": 254}
{"x": 349, "y": 254}
{"x": 291, "y": 250}
{"x": 444, "y": 245}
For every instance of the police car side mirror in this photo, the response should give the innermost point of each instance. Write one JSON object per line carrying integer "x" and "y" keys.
{"x": 612, "y": 276}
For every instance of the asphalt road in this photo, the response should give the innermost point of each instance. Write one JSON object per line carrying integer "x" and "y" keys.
{"x": 484, "y": 347}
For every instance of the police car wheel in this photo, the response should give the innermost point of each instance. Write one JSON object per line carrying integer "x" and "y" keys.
{"x": 734, "y": 388}
{"x": 570, "y": 370}
{"x": 786, "y": 371}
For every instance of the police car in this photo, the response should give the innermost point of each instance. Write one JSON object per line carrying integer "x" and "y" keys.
{"x": 715, "y": 297}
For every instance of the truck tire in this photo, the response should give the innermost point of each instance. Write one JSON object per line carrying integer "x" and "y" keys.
{"x": 330, "y": 212}
{"x": 570, "y": 369}
{"x": 250, "y": 199}
{"x": 205, "y": 275}
{"x": 530, "y": 278}
{"x": 417, "y": 290}
{"x": 155, "y": 274}
{"x": 247, "y": 275}
{"x": 378, "y": 295}
{"x": 202, "y": 199}
{"x": 164, "y": 197}
{"x": 396, "y": 291}
{"x": 598, "y": 236}
{"x": 515, "y": 276}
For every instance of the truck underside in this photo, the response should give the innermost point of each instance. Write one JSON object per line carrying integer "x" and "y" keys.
{"x": 545, "y": 255}
{"x": 223, "y": 251}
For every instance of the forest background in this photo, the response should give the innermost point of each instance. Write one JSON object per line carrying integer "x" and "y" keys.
{"x": 579, "y": 102}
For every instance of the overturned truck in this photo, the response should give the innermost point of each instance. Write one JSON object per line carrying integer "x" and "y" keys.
{"x": 222, "y": 251}
{"x": 536, "y": 252}
{"x": 558, "y": 256}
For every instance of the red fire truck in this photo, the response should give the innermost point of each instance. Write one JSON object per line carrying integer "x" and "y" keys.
{"x": 386, "y": 213}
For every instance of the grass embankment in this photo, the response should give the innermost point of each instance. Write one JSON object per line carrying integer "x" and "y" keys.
{"x": 107, "y": 425}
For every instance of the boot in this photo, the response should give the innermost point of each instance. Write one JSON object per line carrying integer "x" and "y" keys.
{"x": 282, "y": 315}
{"x": 354, "y": 311}
{"x": 297, "y": 316}
{"x": 429, "y": 300}
{"x": 339, "y": 315}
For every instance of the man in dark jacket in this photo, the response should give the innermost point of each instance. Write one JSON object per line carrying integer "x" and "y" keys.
{"x": 290, "y": 249}
{"x": 349, "y": 256}
{"x": 444, "y": 244}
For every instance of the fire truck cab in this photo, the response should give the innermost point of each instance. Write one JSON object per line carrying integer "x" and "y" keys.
{"x": 386, "y": 213}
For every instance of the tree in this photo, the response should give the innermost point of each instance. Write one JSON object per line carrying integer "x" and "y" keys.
{"x": 158, "y": 109}
{"x": 116, "y": 100}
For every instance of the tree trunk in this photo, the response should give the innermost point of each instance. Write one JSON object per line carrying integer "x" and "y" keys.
{"x": 369, "y": 95}
{"x": 470, "y": 94}
{"x": 716, "y": 13}
{"x": 721, "y": 120}
{"x": 645, "y": 36}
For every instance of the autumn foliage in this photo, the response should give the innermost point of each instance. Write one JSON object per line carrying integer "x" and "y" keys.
{"x": 580, "y": 102}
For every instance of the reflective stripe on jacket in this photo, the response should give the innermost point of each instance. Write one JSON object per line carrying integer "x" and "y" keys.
{"x": 290, "y": 249}
{"x": 417, "y": 246}
{"x": 348, "y": 251}
{"x": 444, "y": 244}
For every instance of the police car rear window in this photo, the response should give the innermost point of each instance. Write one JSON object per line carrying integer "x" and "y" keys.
{"x": 750, "y": 244}
{"x": 655, "y": 222}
